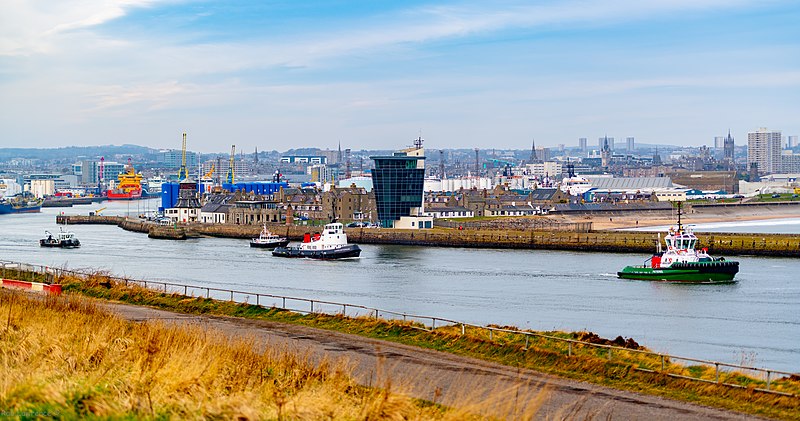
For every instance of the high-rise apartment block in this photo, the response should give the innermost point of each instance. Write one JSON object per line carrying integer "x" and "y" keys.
{"x": 764, "y": 150}
{"x": 602, "y": 141}
{"x": 583, "y": 145}
{"x": 791, "y": 142}
{"x": 719, "y": 142}
{"x": 629, "y": 145}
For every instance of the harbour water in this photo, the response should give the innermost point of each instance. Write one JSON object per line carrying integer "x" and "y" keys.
{"x": 755, "y": 321}
{"x": 766, "y": 226}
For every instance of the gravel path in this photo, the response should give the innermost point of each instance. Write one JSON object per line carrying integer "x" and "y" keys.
{"x": 481, "y": 386}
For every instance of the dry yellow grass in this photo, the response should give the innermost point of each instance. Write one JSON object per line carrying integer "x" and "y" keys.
{"x": 65, "y": 358}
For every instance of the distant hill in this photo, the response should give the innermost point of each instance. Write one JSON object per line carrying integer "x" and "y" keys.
{"x": 73, "y": 151}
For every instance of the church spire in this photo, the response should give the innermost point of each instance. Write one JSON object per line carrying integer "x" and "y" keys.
{"x": 533, "y": 151}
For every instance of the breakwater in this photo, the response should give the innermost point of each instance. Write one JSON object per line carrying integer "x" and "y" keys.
{"x": 784, "y": 245}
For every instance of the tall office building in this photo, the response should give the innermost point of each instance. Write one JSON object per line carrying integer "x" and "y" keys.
{"x": 629, "y": 144}
{"x": 791, "y": 142}
{"x": 398, "y": 183}
{"x": 582, "y": 144}
{"x": 764, "y": 150}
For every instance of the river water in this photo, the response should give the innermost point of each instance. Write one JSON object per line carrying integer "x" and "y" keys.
{"x": 754, "y": 321}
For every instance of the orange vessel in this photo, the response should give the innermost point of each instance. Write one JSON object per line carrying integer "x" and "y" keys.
{"x": 130, "y": 185}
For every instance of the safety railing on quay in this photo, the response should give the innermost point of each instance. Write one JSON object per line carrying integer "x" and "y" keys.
{"x": 659, "y": 363}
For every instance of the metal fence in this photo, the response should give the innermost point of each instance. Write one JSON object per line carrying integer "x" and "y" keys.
{"x": 725, "y": 374}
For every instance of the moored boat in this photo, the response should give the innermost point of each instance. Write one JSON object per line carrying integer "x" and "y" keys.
{"x": 129, "y": 187}
{"x": 20, "y": 203}
{"x": 682, "y": 262}
{"x": 268, "y": 240}
{"x": 63, "y": 239}
{"x": 330, "y": 244}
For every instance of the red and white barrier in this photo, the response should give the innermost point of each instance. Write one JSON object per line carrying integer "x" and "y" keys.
{"x": 54, "y": 289}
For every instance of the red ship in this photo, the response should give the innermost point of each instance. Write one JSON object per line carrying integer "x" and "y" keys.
{"x": 130, "y": 185}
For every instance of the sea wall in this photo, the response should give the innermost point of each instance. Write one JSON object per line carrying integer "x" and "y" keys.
{"x": 784, "y": 245}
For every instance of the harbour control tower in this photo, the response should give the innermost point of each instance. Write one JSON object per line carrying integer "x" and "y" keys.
{"x": 398, "y": 184}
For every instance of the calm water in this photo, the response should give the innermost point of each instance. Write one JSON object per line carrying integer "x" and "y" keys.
{"x": 756, "y": 320}
{"x": 774, "y": 226}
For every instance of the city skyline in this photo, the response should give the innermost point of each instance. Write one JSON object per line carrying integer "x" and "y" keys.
{"x": 464, "y": 74}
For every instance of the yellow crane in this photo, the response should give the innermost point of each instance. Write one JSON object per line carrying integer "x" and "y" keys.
{"x": 231, "y": 178}
{"x": 183, "y": 173}
{"x": 210, "y": 172}
{"x": 97, "y": 212}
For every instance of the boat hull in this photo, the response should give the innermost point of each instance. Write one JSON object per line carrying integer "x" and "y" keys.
{"x": 694, "y": 272}
{"x": 269, "y": 244}
{"x": 6, "y": 208}
{"x": 122, "y": 195}
{"x": 66, "y": 244}
{"x": 348, "y": 251}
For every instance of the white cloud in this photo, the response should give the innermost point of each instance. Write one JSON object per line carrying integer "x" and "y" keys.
{"x": 33, "y": 26}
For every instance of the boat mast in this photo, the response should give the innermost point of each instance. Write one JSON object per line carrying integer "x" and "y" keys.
{"x": 680, "y": 227}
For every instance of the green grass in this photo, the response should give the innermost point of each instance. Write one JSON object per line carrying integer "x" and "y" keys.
{"x": 784, "y": 197}
{"x": 587, "y": 364}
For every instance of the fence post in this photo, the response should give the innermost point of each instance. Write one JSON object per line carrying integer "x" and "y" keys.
{"x": 312, "y": 306}
{"x": 165, "y": 287}
{"x": 716, "y": 372}
{"x": 185, "y": 290}
{"x": 284, "y": 302}
{"x": 344, "y": 309}
{"x": 433, "y": 322}
{"x": 376, "y": 314}
{"x": 463, "y": 329}
{"x": 569, "y": 349}
{"x": 490, "y": 333}
{"x": 609, "y": 353}
{"x": 404, "y": 319}
{"x": 527, "y": 338}
{"x": 768, "y": 375}
{"x": 208, "y": 292}
{"x": 145, "y": 284}
{"x": 257, "y": 300}
{"x": 231, "y": 295}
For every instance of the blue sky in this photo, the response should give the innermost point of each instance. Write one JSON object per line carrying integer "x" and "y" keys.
{"x": 374, "y": 74}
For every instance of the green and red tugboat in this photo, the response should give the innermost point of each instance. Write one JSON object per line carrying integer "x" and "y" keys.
{"x": 681, "y": 262}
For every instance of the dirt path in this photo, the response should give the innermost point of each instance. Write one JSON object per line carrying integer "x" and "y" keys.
{"x": 482, "y": 386}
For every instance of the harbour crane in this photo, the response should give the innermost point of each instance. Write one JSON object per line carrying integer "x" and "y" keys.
{"x": 231, "y": 178}
{"x": 97, "y": 212}
{"x": 210, "y": 172}
{"x": 183, "y": 173}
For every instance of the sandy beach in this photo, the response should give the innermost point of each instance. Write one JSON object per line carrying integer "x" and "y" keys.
{"x": 692, "y": 216}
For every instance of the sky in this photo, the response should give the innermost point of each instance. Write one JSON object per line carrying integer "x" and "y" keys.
{"x": 281, "y": 74}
